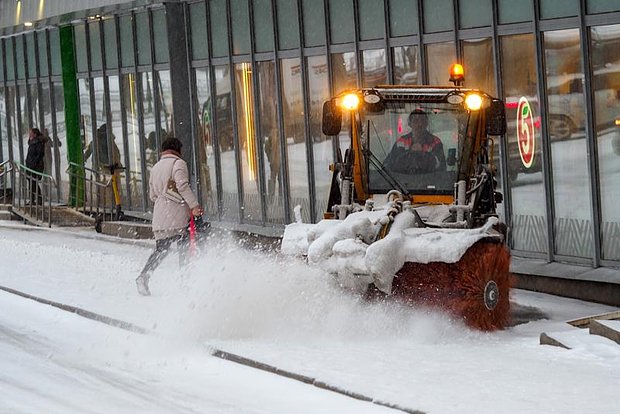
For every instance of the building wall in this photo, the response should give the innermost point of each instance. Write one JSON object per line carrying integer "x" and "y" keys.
{"x": 259, "y": 71}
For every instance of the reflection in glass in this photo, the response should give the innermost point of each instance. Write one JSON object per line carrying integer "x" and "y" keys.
{"x": 116, "y": 134}
{"x": 148, "y": 118}
{"x": 23, "y": 118}
{"x": 605, "y": 46}
{"x": 134, "y": 169}
{"x": 86, "y": 125}
{"x": 566, "y": 120}
{"x": 223, "y": 119}
{"x": 60, "y": 151}
{"x": 34, "y": 119}
{"x": 272, "y": 148}
{"x": 165, "y": 103}
{"x": 318, "y": 89}
{"x": 524, "y": 143}
{"x": 479, "y": 65}
{"x": 205, "y": 144}
{"x": 247, "y": 141}
{"x": 344, "y": 67}
{"x": 374, "y": 68}
{"x": 407, "y": 65}
{"x": 11, "y": 110}
{"x": 440, "y": 56}
{"x": 294, "y": 135}
{"x": 4, "y": 137}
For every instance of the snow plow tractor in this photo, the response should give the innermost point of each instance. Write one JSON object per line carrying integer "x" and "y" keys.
{"x": 411, "y": 214}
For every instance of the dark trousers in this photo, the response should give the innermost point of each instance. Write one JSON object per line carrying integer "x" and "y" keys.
{"x": 162, "y": 248}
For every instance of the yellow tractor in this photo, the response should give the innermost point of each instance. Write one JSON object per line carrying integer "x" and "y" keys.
{"x": 411, "y": 213}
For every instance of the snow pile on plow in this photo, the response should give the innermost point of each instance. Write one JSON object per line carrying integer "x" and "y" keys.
{"x": 352, "y": 250}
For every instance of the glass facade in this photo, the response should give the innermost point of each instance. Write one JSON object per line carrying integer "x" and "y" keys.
{"x": 260, "y": 71}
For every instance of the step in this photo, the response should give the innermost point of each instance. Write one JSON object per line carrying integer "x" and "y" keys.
{"x": 127, "y": 229}
{"x": 576, "y": 338}
{"x": 608, "y": 329}
{"x": 585, "y": 321}
{"x": 7, "y": 215}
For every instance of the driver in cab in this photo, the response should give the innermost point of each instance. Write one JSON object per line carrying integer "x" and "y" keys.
{"x": 418, "y": 151}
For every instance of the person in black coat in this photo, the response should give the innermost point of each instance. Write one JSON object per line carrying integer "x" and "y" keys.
{"x": 35, "y": 161}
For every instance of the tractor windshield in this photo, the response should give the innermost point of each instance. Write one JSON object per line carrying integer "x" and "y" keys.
{"x": 415, "y": 145}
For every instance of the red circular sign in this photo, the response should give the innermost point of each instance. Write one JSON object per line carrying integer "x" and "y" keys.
{"x": 525, "y": 132}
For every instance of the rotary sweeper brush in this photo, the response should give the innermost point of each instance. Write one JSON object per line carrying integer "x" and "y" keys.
{"x": 411, "y": 213}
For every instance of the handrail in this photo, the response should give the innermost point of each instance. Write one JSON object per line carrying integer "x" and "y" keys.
{"x": 91, "y": 192}
{"x": 28, "y": 196}
{"x": 6, "y": 169}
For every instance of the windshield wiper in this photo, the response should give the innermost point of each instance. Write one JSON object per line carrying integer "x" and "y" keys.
{"x": 385, "y": 173}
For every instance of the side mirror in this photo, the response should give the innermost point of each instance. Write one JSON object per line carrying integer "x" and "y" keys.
{"x": 496, "y": 118}
{"x": 332, "y": 118}
{"x": 451, "y": 159}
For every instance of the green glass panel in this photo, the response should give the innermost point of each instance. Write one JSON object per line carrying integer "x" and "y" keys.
{"x": 55, "y": 52}
{"x": 219, "y": 30}
{"x": 240, "y": 26}
{"x": 475, "y": 13}
{"x": 19, "y": 56}
{"x": 79, "y": 39}
{"x": 403, "y": 17}
{"x": 127, "y": 51}
{"x": 160, "y": 33}
{"x": 288, "y": 24}
{"x": 372, "y": 19}
{"x": 550, "y": 9}
{"x": 314, "y": 23}
{"x": 10, "y": 61}
{"x": 200, "y": 46}
{"x": 438, "y": 16}
{"x": 143, "y": 38}
{"x": 341, "y": 21}
{"x": 42, "y": 42}
{"x": 111, "y": 46}
{"x": 94, "y": 34}
{"x": 2, "y": 60}
{"x": 602, "y": 6}
{"x": 31, "y": 55}
{"x": 508, "y": 13}
{"x": 263, "y": 25}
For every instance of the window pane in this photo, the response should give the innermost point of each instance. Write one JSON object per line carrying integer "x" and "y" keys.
{"x": 219, "y": 31}
{"x": 11, "y": 110}
{"x": 34, "y": 119}
{"x": 508, "y": 13}
{"x": 566, "y": 125}
{"x": 143, "y": 38}
{"x": 602, "y": 6}
{"x": 127, "y": 52}
{"x": 403, "y": 17}
{"x": 160, "y": 33}
{"x": 61, "y": 136}
{"x": 341, "y": 21}
{"x": 318, "y": 87}
{"x": 31, "y": 54}
{"x": 288, "y": 23}
{"x": 223, "y": 119}
{"x": 134, "y": 168}
{"x": 479, "y": 65}
{"x": 86, "y": 121}
{"x": 116, "y": 128}
{"x": 344, "y": 66}
{"x": 372, "y": 19}
{"x": 79, "y": 33}
{"x": 605, "y": 46}
{"x": 314, "y": 22}
{"x": 440, "y": 56}
{"x": 407, "y": 65}
{"x": 438, "y": 16}
{"x": 10, "y": 61}
{"x": 42, "y": 42}
{"x": 165, "y": 104}
{"x": 19, "y": 55}
{"x": 197, "y": 15}
{"x": 3, "y": 60}
{"x": 263, "y": 25}
{"x": 95, "y": 45}
{"x": 550, "y": 9}
{"x": 272, "y": 147}
{"x": 524, "y": 143}
{"x": 241, "y": 26}
{"x": 55, "y": 51}
{"x": 475, "y": 13}
{"x": 148, "y": 109}
{"x": 294, "y": 135}
{"x": 374, "y": 68}
{"x": 247, "y": 141}
{"x": 4, "y": 137}
{"x": 205, "y": 144}
{"x": 111, "y": 46}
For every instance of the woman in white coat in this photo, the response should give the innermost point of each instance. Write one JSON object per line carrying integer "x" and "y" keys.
{"x": 174, "y": 201}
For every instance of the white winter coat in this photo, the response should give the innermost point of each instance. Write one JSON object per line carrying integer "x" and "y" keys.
{"x": 169, "y": 217}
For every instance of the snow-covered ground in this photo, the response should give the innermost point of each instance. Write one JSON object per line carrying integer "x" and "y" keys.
{"x": 272, "y": 309}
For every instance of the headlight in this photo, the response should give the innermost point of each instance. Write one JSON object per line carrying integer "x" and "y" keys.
{"x": 473, "y": 101}
{"x": 350, "y": 101}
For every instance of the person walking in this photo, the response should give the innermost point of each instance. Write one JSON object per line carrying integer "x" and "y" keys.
{"x": 35, "y": 162}
{"x": 174, "y": 201}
